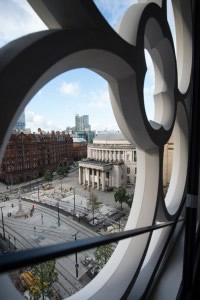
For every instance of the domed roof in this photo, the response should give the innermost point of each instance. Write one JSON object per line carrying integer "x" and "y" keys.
{"x": 110, "y": 138}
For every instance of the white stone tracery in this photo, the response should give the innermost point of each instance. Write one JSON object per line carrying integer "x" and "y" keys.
{"x": 96, "y": 46}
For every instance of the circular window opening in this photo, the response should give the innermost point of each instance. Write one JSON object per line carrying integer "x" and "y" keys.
{"x": 171, "y": 22}
{"x": 167, "y": 164}
{"x": 149, "y": 86}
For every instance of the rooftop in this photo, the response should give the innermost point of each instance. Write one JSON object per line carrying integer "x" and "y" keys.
{"x": 111, "y": 138}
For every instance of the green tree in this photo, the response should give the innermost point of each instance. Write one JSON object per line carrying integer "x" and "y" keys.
{"x": 44, "y": 276}
{"x": 48, "y": 175}
{"x": 129, "y": 200}
{"x": 121, "y": 196}
{"x": 102, "y": 254}
{"x": 94, "y": 204}
{"x": 62, "y": 170}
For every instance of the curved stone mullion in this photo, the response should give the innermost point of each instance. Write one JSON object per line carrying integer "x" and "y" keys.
{"x": 76, "y": 14}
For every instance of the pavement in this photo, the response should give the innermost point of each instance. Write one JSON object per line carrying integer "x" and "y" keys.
{"x": 105, "y": 197}
{"x": 43, "y": 229}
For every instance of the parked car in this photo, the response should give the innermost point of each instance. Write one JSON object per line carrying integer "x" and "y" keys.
{"x": 109, "y": 189}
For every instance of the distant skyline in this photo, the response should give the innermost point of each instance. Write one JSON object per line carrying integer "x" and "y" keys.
{"x": 78, "y": 91}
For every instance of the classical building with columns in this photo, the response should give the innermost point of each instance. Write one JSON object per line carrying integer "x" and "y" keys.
{"x": 111, "y": 162}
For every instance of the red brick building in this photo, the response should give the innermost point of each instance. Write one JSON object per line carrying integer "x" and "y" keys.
{"x": 79, "y": 148}
{"x": 28, "y": 155}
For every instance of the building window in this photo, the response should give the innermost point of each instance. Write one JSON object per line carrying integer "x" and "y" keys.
{"x": 127, "y": 157}
{"x": 135, "y": 158}
{"x": 135, "y": 170}
{"x": 128, "y": 179}
{"x": 128, "y": 171}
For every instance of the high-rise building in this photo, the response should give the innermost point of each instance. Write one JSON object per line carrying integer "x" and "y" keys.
{"x": 82, "y": 122}
{"x": 21, "y": 123}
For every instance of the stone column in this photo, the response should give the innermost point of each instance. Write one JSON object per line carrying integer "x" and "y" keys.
{"x": 93, "y": 178}
{"x": 97, "y": 172}
{"x": 103, "y": 180}
{"x": 124, "y": 156}
{"x": 84, "y": 176}
{"x": 110, "y": 179}
{"x": 110, "y": 155}
{"x": 103, "y": 155}
{"x": 88, "y": 176}
{"x": 114, "y": 156}
{"x": 80, "y": 175}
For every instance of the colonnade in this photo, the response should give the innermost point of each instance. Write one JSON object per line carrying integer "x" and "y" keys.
{"x": 94, "y": 177}
{"x": 107, "y": 155}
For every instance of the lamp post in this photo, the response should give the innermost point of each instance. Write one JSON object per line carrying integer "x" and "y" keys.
{"x": 76, "y": 255}
{"x": 3, "y": 222}
{"x": 73, "y": 188}
{"x": 38, "y": 191}
{"x": 9, "y": 241}
{"x": 61, "y": 185}
{"x": 58, "y": 213}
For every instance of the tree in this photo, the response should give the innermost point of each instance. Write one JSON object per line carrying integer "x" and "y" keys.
{"x": 121, "y": 196}
{"x": 94, "y": 204}
{"x": 129, "y": 200}
{"x": 44, "y": 275}
{"x": 48, "y": 175}
{"x": 62, "y": 170}
{"x": 102, "y": 254}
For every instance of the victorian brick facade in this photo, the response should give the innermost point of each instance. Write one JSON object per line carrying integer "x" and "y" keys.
{"x": 28, "y": 155}
{"x": 79, "y": 148}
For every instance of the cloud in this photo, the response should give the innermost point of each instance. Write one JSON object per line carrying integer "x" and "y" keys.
{"x": 35, "y": 121}
{"x": 70, "y": 88}
{"x": 17, "y": 19}
{"x": 106, "y": 125}
{"x": 99, "y": 99}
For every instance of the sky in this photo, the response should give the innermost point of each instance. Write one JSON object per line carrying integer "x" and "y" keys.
{"x": 79, "y": 91}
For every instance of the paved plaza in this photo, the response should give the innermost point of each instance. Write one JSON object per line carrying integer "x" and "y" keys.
{"x": 42, "y": 227}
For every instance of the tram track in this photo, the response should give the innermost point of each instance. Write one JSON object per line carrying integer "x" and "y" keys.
{"x": 85, "y": 231}
{"x": 27, "y": 244}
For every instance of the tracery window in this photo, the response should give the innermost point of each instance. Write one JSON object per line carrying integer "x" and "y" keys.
{"x": 119, "y": 57}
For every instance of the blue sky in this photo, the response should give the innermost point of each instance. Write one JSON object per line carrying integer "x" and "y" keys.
{"x": 79, "y": 91}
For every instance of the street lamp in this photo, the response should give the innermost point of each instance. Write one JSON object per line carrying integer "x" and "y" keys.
{"x": 73, "y": 188}
{"x": 76, "y": 255}
{"x": 3, "y": 222}
{"x": 58, "y": 213}
{"x": 38, "y": 190}
{"x": 9, "y": 241}
{"x": 61, "y": 185}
